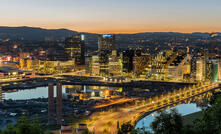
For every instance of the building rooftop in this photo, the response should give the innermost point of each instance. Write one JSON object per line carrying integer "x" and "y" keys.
{"x": 7, "y": 69}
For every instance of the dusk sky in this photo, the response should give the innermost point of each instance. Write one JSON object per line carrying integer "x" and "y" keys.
{"x": 114, "y": 16}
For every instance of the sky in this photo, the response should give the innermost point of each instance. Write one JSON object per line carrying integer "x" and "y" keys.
{"x": 114, "y": 16}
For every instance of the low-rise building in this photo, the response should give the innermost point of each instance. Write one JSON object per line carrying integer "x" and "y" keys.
{"x": 81, "y": 128}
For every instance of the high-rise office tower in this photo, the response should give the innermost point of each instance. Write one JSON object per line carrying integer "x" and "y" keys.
{"x": 106, "y": 42}
{"x": 219, "y": 69}
{"x": 115, "y": 64}
{"x": 127, "y": 59}
{"x": 212, "y": 51}
{"x": 75, "y": 48}
{"x": 104, "y": 61}
{"x": 200, "y": 69}
{"x": 51, "y": 106}
{"x": 59, "y": 103}
{"x": 95, "y": 65}
{"x": 211, "y": 70}
{"x": 88, "y": 62}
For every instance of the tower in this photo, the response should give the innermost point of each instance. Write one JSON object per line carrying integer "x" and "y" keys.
{"x": 212, "y": 70}
{"x": 59, "y": 103}
{"x": 51, "y": 108}
{"x": 212, "y": 52}
{"x": 106, "y": 44}
{"x": 200, "y": 69}
{"x": 75, "y": 48}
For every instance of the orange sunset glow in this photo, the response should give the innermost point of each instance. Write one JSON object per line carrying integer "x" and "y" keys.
{"x": 115, "y": 16}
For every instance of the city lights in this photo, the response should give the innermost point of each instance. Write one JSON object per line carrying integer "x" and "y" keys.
{"x": 110, "y": 67}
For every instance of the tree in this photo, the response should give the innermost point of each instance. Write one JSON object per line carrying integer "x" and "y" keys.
{"x": 125, "y": 128}
{"x": 214, "y": 97}
{"x": 86, "y": 132}
{"x": 118, "y": 125}
{"x": 24, "y": 126}
{"x": 27, "y": 127}
{"x": 9, "y": 130}
{"x": 168, "y": 123}
{"x": 139, "y": 131}
{"x": 211, "y": 121}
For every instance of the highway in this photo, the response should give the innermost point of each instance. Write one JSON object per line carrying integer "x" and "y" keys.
{"x": 101, "y": 122}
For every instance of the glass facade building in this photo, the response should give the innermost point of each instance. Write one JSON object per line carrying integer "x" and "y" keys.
{"x": 75, "y": 48}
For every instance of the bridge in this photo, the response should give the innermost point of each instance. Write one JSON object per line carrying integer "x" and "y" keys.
{"x": 181, "y": 96}
{"x": 101, "y": 122}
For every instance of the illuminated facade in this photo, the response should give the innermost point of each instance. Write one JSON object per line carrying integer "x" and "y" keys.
{"x": 179, "y": 66}
{"x": 88, "y": 64}
{"x": 212, "y": 70}
{"x": 141, "y": 65}
{"x": 55, "y": 66}
{"x": 44, "y": 66}
{"x": 104, "y": 61}
{"x": 26, "y": 64}
{"x": 200, "y": 69}
{"x": 115, "y": 64}
{"x": 219, "y": 70}
{"x": 75, "y": 48}
{"x": 95, "y": 66}
{"x": 173, "y": 72}
{"x": 127, "y": 59}
{"x": 106, "y": 42}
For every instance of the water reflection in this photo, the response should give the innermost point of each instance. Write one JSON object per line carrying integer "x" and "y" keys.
{"x": 39, "y": 92}
{"x": 183, "y": 109}
{"x": 186, "y": 107}
{"x": 42, "y": 92}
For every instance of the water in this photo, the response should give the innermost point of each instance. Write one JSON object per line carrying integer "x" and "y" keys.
{"x": 39, "y": 92}
{"x": 42, "y": 92}
{"x": 183, "y": 109}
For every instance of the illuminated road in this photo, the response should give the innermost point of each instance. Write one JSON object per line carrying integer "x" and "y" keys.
{"x": 102, "y": 122}
{"x": 113, "y": 102}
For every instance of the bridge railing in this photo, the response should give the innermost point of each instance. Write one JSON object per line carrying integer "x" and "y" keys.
{"x": 171, "y": 98}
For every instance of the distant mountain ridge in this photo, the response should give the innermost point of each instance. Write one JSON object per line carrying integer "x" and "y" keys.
{"x": 205, "y": 34}
{"x": 33, "y": 33}
{"x": 40, "y": 34}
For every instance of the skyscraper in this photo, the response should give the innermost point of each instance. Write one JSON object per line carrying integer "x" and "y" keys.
{"x": 200, "y": 69}
{"x": 115, "y": 64}
{"x": 95, "y": 65}
{"x": 128, "y": 56}
{"x": 75, "y": 48}
{"x": 104, "y": 61}
{"x": 212, "y": 51}
{"x": 219, "y": 69}
{"x": 212, "y": 70}
{"x": 106, "y": 42}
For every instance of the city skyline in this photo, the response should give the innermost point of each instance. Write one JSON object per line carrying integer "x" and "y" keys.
{"x": 110, "y": 67}
{"x": 114, "y": 16}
